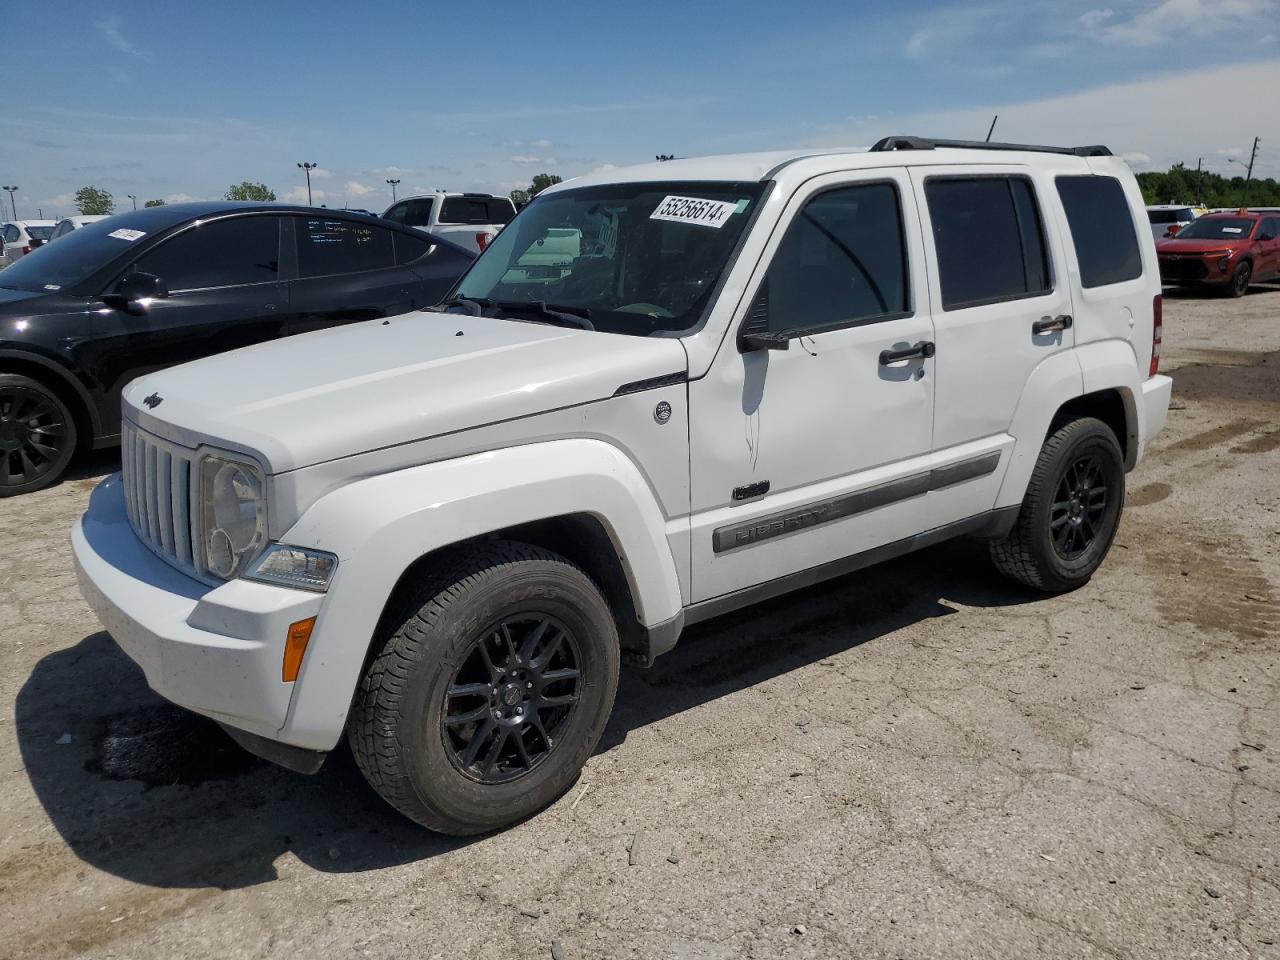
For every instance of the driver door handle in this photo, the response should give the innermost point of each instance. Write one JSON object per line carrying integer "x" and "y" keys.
{"x": 1052, "y": 324}
{"x": 921, "y": 351}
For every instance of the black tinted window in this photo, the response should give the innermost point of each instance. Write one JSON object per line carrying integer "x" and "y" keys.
{"x": 220, "y": 253}
{"x": 989, "y": 240}
{"x": 1271, "y": 227}
{"x": 477, "y": 210}
{"x": 417, "y": 213}
{"x": 330, "y": 246}
{"x": 842, "y": 261}
{"x": 1101, "y": 229}
{"x": 410, "y": 248}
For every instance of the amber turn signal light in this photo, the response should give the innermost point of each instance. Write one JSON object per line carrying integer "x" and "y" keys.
{"x": 295, "y": 646}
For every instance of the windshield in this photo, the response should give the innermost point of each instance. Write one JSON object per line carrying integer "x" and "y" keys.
{"x": 39, "y": 233}
{"x": 76, "y": 255}
{"x": 637, "y": 258}
{"x": 1218, "y": 228}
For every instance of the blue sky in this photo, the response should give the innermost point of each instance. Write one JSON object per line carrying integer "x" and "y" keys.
{"x": 171, "y": 100}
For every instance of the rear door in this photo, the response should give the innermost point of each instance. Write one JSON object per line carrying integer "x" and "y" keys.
{"x": 224, "y": 292}
{"x": 1001, "y": 306}
{"x": 347, "y": 272}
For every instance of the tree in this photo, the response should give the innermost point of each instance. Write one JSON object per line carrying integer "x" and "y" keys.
{"x": 94, "y": 202}
{"x": 1179, "y": 185}
{"x": 154, "y": 203}
{"x": 541, "y": 182}
{"x": 519, "y": 197}
{"x": 247, "y": 190}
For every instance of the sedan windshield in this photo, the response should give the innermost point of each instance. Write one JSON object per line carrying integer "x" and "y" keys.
{"x": 76, "y": 255}
{"x": 1218, "y": 228}
{"x": 632, "y": 258}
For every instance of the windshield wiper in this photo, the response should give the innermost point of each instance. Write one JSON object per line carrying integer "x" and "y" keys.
{"x": 567, "y": 316}
{"x": 475, "y": 305}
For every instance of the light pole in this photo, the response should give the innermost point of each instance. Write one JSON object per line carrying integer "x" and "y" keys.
{"x": 12, "y": 205}
{"x": 134, "y": 199}
{"x": 1253, "y": 155}
{"x": 308, "y": 167}
{"x": 393, "y": 189}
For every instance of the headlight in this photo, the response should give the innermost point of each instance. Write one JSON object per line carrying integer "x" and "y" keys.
{"x": 1225, "y": 261}
{"x": 294, "y": 567}
{"x": 233, "y": 514}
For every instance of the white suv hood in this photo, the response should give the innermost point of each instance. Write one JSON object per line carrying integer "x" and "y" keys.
{"x": 331, "y": 394}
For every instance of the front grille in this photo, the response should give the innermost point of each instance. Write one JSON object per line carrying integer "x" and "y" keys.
{"x": 1183, "y": 268}
{"x": 158, "y": 488}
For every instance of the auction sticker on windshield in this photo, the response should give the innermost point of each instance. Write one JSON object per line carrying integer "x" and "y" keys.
{"x": 125, "y": 234}
{"x": 705, "y": 213}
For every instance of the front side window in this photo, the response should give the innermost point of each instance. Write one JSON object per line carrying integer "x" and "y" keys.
{"x": 989, "y": 240}
{"x": 218, "y": 253}
{"x": 843, "y": 261}
{"x": 1101, "y": 229}
{"x": 1271, "y": 227}
{"x": 329, "y": 246}
{"x": 639, "y": 258}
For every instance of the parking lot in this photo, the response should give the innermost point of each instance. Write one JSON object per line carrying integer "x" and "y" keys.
{"x": 918, "y": 760}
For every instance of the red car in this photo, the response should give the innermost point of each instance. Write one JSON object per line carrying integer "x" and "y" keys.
{"x": 1225, "y": 250}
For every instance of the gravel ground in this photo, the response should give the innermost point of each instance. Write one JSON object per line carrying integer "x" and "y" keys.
{"x": 918, "y": 760}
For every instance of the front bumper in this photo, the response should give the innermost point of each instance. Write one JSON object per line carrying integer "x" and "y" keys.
{"x": 215, "y": 650}
{"x": 1188, "y": 268}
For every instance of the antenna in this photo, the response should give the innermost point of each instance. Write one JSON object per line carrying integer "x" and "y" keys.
{"x": 992, "y": 128}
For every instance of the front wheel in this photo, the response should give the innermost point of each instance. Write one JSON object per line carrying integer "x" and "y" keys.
{"x": 1071, "y": 510}
{"x": 37, "y": 435}
{"x": 484, "y": 702}
{"x": 1240, "y": 280}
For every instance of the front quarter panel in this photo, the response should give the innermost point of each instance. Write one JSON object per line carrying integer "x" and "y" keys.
{"x": 381, "y": 525}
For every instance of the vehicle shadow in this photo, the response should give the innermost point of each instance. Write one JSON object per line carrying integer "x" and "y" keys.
{"x": 159, "y": 796}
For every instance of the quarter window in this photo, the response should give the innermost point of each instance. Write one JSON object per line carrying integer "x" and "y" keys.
{"x": 220, "y": 253}
{"x": 842, "y": 262}
{"x": 989, "y": 240}
{"x": 331, "y": 246}
{"x": 1101, "y": 229}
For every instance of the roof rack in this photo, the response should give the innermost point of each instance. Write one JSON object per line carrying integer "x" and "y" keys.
{"x": 927, "y": 143}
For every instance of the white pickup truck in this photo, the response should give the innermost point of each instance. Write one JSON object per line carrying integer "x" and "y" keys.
{"x": 471, "y": 220}
{"x": 662, "y": 393}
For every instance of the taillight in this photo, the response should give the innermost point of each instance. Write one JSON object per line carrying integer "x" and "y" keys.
{"x": 483, "y": 240}
{"x": 1157, "y": 333}
{"x": 26, "y": 250}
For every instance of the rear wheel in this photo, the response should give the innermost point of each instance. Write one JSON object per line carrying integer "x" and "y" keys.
{"x": 1071, "y": 510}
{"x": 37, "y": 435}
{"x": 490, "y": 693}
{"x": 1240, "y": 280}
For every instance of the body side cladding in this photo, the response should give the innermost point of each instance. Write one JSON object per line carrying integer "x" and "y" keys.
{"x": 845, "y": 505}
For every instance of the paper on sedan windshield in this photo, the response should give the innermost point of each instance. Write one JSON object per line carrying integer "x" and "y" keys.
{"x": 126, "y": 234}
{"x": 705, "y": 213}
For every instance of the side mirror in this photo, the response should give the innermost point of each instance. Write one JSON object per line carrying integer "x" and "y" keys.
{"x": 755, "y": 334}
{"x": 134, "y": 293}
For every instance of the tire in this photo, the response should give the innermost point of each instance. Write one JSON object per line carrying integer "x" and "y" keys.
{"x": 1241, "y": 277}
{"x": 37, "y": 435}
{"x": 415, "y": 706}
{"x": 1045, "y": 548}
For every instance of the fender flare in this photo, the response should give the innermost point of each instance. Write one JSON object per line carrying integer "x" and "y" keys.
{"x": 1114, "y": 365}
{"x": 380, "y": 525}
{"x": 63, "y": 376}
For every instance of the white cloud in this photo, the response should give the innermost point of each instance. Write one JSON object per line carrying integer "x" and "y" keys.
{"x": 1171, "y": 19}
{"x": 1136, "y": 159}
{"x": 299, "y": 195}
{"x": 109, "y": 27}
{"x": 1145, "y": 116}
{"x": 357, "y": 189}
{"x": 604, "y": 168}
{"x": 528, "y": 161}
{"x": 540, "y": 144}
{"x": 178, "y": 198}
{"x": 918, "y": 44}
{"x": 319, "y": 173}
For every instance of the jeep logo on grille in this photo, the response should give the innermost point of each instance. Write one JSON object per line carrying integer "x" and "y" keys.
{"x": 153, "y": 401}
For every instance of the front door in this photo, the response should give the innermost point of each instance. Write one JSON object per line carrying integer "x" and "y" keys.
{"x": 224, "y": 293}
{"x": 813, "y": 453}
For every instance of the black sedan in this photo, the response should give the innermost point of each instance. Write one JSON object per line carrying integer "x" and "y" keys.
{"x": 82, "y": 317}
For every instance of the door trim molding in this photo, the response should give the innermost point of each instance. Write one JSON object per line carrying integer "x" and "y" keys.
{"x": 745, "y": 534}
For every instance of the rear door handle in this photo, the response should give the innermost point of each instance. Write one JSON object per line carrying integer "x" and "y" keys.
{"x": 1052, "y": 324}
{"x": 920, "y": 351}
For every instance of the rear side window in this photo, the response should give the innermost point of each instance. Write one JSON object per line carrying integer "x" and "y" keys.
{"x": 220, "y": 253}
{"x": 989, "y": 240}
{"x": 331, "y": 246}
{"x": 1101, "y": 229}
{"x": 475, "y": 210}
{"x": 842, "y": 262}
{"x": 410, "y": 248}
{"x": 1271, "y": 227}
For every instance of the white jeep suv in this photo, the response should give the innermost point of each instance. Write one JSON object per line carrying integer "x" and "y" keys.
{"x": 660, "y": 394}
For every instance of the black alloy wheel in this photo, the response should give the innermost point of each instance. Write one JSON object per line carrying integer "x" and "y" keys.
{"x": 1079, "y": 506}
{"x": 511, "y": 698}
{"x": 37, "y": 435}
{"x": 1241, "y": 279}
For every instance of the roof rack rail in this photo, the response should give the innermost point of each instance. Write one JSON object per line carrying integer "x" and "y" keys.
{"x": 928, "y": 143}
